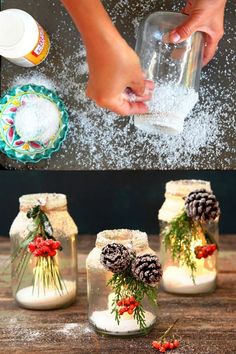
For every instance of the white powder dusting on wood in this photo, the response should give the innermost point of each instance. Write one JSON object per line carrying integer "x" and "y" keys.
{"x": 37, "y": 120}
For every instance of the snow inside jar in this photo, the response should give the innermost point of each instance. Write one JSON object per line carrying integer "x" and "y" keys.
{"x": 175, "y": 70}
{"x": 33, "y": 123}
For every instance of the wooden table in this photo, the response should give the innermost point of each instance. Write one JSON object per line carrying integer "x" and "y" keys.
{"x": 207, "y": 323}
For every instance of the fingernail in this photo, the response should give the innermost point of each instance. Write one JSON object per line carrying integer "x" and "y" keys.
{"x": 175, "y": 37}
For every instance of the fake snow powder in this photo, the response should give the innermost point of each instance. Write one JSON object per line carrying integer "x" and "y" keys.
{"x": 37, "y": 120}
{"x": 169, "y": 107}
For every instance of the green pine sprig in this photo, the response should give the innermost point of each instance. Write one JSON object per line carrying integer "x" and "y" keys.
{"x": 125, "y": 285}
{"x": 178, "y": 237}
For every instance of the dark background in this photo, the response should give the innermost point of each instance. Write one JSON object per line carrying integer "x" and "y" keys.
{"x": 104, "y": 200}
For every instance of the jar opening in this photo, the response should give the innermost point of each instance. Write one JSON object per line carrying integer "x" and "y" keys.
{"x": 183, "y": 187}
{"x": 134, "y": 238}
{"x": 48, "y": 201}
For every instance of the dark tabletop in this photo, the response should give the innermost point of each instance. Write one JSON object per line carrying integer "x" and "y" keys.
{"x": 101, "y": 140}
{"x": 206, "y": 326}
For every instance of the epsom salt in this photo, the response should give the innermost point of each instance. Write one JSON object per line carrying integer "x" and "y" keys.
{"x": 169, "y": 107}
{"x": 37, "y": 120}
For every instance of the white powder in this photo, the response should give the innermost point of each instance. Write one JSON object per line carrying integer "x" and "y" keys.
{"x": 37, "y": 120}
{"x": 168, "y": 109}
{"x": 178, "y": 280}
{"x": 48, "y": 299}
{"x": 105, "y": 320}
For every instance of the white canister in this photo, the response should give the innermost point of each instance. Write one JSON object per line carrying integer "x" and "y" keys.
{"x": 22, "y": 40}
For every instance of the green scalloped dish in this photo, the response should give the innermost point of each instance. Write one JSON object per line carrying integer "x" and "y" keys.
{"x": 10, "y": 142}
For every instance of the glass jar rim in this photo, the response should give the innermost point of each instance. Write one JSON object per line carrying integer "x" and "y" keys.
{"x": 48, "y": 201}
{"x": 182, "y": 187}
{"x": 134, "y": 238}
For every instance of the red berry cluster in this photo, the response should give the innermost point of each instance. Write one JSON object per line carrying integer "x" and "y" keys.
{"x": 204, "y": 251}
{"x": 44, "y": 248}
{"x": 127, "y": 305}
{"x": 162, "y": 347}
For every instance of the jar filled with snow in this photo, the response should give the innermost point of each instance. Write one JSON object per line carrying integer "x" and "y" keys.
{"x": 123, "y": 274}
{"x": 189, "y": 237}
{"x": 175, "y": 70}
{"x": 44, "y": 253}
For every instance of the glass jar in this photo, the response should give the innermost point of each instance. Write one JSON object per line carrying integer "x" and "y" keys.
{"x": 44, "y": 282}
{"x": 101, "y": 296}
{"x": 175, "y": 70}
{"x": 177, "y": 277}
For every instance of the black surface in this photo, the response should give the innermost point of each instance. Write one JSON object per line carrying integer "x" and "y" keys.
{"x": 66, "y": 41}
{"x": 104, "y": 200}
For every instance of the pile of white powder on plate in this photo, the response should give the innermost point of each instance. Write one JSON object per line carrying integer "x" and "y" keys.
{"x": 37, "y": 120}
{"x": 169, "y": 107}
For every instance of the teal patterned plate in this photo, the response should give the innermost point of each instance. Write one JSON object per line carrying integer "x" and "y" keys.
{"x": 10, "y": 142}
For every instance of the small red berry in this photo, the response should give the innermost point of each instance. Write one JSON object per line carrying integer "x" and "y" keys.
{"x": 166, "y": 345}
{"x": 121, "y": 312}
{"x": 172, "y": 346}
{"x": 162, "y": 349}
{"x": 176, "y": 343}
{"x": 38, "y": 240}
{"x": 130, "y": 312}
{"x": 200, "y": 255}
{"x": 56, "y": 245}
{"x": 127, "y": 302}
{"x": 37, "y": 253}
{"x": 137, "y": 304}
{"x": 119, "y": 303}
{"x": 214, "y": 247}
{"x": 132, "y": 299}
{"x": 31, "y": 247}
{"x": 156, "y": 344}
{"x": 52, "y": 253}
{"x": 132, "y": 307}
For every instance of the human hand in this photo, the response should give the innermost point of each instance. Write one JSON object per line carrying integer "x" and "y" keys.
{"x": 206, "y": 16}
{"x": 114, "y": 67}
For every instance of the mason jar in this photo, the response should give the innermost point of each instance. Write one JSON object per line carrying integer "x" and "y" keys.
{"x": 177, "y": 276}
{"x": 44, "y": 261}
{"x": 101, "y": 296}
{"x": 175, "y": 70}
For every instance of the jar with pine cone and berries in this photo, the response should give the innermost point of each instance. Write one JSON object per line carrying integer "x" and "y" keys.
{"x": 189, "y": 237}
{"x": 44, "y": 253}
{"x": 123, "y": 274}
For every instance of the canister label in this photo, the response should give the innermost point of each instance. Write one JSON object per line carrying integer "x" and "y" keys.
{"x": 38, "y": 54}
{"x": 41, "y": 49}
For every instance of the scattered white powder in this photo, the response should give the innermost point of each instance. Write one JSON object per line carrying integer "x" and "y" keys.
{"x": 168, "y": 109}
{"x": 98, "y": 139}
{"x": 37, "y": 120}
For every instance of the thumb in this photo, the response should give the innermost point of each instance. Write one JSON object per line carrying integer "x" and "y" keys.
{"x": 185, "y": 30}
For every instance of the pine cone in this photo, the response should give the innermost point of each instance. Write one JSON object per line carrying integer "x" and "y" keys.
{"x": 202, "y": 205}
{"x": 147, "y": 268}
{"x": 115, "y": 257}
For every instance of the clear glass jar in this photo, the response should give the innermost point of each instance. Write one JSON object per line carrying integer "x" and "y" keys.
{"x": 29, "y": 286}
{"x": 100, "y": 296}
{"x": 175, "y": 70}
{"x": 176, "y": 276}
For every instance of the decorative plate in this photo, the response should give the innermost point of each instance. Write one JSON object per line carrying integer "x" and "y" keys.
{"x": 10, "y": 142}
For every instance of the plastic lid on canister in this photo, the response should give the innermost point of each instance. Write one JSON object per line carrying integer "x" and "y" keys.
{"x": 18, "y": 33}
